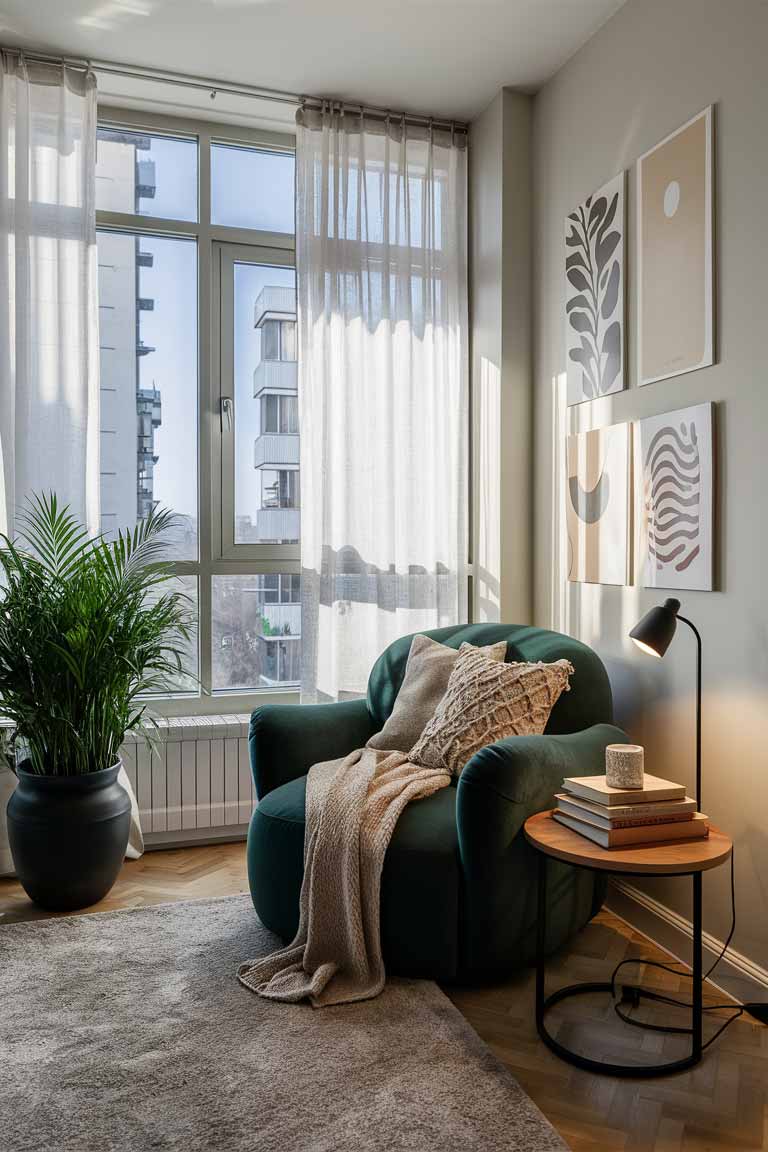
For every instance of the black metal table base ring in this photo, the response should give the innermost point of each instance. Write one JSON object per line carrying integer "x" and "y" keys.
{"x": 544, "y": 1003}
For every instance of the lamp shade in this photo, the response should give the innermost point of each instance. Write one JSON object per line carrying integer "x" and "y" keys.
{"x": 653, "y": 634}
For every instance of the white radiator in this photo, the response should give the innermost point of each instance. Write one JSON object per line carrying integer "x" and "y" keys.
{"x": 195, "y": 783}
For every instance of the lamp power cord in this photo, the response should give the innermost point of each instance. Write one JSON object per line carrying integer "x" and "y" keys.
{"x": 632, "y": 994}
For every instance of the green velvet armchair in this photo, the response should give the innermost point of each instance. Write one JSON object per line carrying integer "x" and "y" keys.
{"x": 458, "y": 898}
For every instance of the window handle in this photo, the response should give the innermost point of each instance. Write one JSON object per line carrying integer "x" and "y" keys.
{"x": 226, "y": 411}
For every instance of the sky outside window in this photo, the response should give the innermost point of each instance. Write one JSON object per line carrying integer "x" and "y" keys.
{"x": 171, "y": 329}
{"x": 252, "y": 188}
{"x": 137, "y": 172}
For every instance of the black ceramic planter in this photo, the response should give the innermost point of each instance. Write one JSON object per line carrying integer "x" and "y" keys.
{"x": 68, "y": 836}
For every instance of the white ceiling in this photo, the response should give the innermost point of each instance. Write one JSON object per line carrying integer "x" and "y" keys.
{"x": 443, "y": 57}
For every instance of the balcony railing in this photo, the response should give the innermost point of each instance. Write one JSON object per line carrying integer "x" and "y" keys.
{"x": 274, "y": 449}
{"x": 274, "y": 304}
{"x": 278, "y": 524}
{"x": 276, "y": 376}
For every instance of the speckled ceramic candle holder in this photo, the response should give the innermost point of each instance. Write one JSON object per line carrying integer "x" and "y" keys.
{"x": 624, "y": 766}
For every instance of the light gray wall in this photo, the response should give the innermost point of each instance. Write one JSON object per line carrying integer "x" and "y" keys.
{"x": 651, "y": 67}
{"x": 500, "y": 280}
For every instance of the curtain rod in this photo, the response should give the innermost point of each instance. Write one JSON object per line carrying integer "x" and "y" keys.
{"x": 384, "y": 113}
{"x": 213, "y": 86}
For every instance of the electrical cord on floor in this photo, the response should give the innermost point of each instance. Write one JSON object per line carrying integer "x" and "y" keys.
{"x": 632, "y": 993}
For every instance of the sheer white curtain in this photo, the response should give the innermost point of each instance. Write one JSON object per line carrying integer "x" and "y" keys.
{"x": 49, "y": 388}
{"x": 382, "y": 303}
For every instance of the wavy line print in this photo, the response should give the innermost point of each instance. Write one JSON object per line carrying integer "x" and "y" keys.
{"x": 672, "y": 483}
{"x": 675, "y": 438}
{"x": 666, "y": 469}
{"x": 662, "y": 539}
{"x": 671, "y": 516}
{"x": 668, "y": 557}
{"x": 689, "y": 559}
{"x": 672, "y": 496}
{"x": 670, "y": 451}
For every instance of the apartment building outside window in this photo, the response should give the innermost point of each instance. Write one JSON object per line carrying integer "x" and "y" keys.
{"x": 279, "y": 414}
{"x": 199, "y": 384}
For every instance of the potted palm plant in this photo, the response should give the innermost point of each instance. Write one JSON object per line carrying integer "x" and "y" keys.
{"x": 88, "y": 628}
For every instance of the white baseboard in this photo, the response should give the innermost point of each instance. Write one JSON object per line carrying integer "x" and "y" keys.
{"x": 736, "y": 975}
{"x": 194, "y": 837}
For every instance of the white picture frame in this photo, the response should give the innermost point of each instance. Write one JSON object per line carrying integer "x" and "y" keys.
{"x": 595, "y": 263}
{"x": 598, "y": 505}
{"x": 675, "y": 479}
{"x": 675, "y": 252}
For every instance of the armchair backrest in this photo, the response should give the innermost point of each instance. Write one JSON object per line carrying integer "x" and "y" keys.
{"x": 587, "y": 703}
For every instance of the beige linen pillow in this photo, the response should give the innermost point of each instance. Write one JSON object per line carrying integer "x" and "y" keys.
{"x": 485, "y": 702}
{"x": 427, "y": 672}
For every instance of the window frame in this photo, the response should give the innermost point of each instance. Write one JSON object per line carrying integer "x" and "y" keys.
{"x": 226, "y": 256}
{"x": 214, "y": 557}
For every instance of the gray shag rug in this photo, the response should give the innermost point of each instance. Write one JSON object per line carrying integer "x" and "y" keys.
{"x": 129, "y": 1031}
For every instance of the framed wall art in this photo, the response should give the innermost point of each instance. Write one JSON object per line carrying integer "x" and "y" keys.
{"x": 594, "y": 294}
{"x": 598, "y": 507}
{"x": 675, "y": 252}
{"x": 675, "y": 471}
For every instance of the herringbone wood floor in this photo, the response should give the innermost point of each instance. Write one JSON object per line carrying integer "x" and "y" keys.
{"x": 721, "y": 1106}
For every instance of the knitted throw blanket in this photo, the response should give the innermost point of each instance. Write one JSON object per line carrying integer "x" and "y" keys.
{"x": 352, "y": 807}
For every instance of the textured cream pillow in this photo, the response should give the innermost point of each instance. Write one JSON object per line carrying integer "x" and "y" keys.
{"x": 485, "y": 702}
{"x": 427, "y": 672}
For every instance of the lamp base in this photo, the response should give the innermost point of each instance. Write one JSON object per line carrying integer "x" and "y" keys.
{"x": 759, "y": 1011}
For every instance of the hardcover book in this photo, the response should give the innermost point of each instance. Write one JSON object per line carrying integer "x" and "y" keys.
{"x": 595, "y": 788}
{"x": 695, "y": 829}
{"x": 625, "y": 815}
{"x": 654, "y": 808}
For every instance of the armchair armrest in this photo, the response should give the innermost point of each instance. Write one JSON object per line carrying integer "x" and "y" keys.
{"x": 287, "y": 739}
{"x": 505, "y": 783}
{"x": 499, "y": 788}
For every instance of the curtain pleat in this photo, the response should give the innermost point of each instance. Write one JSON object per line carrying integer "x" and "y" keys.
{"x": 382, "y": 309}
{"x": 49, "y": 386}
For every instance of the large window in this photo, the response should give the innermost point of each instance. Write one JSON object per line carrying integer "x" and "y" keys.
{"x": 199, "y": 407}
{"x": 148, "y": 322}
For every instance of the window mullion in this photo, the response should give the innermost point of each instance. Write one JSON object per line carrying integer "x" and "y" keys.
{"x": 209, "y": 493}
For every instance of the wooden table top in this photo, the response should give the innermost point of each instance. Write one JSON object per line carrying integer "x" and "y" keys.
{"x": 663, "y": 859}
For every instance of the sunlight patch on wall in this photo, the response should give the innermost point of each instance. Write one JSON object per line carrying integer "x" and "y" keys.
{"x": 559, "y": 544}
{"x": 487, "y": 503}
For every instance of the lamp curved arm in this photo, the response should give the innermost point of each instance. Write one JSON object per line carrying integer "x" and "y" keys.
{"x": 696, "y": 633}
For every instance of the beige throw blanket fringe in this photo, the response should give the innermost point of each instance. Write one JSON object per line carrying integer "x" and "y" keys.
{"x": 352, "y": 807}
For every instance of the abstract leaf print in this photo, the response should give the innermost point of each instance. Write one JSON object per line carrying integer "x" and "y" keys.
{"x": 594, "y": 271}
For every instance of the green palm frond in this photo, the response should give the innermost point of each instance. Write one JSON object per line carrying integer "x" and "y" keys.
{"x": 55, "y": 534}
{"x": 87, "y": 627}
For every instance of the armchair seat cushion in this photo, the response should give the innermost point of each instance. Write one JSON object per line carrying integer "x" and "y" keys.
{"x": 420, "y": 883}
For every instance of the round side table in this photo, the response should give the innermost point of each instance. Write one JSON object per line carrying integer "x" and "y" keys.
{"x": 553, "y": 840}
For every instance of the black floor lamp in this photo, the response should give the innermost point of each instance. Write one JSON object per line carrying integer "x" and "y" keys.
{"x": 653, "y": 634}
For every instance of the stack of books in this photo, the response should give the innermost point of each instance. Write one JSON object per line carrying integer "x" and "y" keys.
{"x": 658, "y": 812}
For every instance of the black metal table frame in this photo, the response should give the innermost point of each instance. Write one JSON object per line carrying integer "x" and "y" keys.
{"x": 543, "y": 1004}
